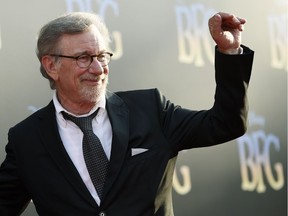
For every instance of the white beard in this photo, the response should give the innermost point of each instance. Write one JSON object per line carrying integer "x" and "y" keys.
{"x": 93, "y": 94}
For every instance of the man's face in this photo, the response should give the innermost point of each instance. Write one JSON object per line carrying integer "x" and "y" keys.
{"x": 80, "y": 85}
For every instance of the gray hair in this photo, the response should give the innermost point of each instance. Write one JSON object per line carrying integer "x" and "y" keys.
{"x": 72, "y": 23}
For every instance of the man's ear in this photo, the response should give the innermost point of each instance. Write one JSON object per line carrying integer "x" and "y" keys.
{"x": 50, "y": 66}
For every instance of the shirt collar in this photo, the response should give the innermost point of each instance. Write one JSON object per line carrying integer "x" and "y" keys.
{"x": 59, "y": 108}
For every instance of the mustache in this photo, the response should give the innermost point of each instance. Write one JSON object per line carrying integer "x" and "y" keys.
{"x": 90, "y": 77}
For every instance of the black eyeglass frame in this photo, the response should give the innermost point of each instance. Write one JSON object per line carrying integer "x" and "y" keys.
{"x": 91, "y": 58}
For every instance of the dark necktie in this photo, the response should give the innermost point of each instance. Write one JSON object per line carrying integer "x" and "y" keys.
{"x": 94, "y": 155}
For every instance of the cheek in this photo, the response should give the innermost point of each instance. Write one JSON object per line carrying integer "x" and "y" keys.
{"x": 69, "y": 79}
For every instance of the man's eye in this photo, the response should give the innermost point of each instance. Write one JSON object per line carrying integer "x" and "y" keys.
{"x": 84, "y": 58}
{"x": 101, "y": 57}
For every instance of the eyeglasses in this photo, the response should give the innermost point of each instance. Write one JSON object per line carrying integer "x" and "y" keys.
{"x": 84, "y": 61}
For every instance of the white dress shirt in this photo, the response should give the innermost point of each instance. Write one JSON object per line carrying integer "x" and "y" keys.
{"x": 72, "y": 136}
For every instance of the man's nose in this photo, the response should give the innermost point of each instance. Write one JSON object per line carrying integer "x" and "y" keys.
{"x": 96, "y": 67}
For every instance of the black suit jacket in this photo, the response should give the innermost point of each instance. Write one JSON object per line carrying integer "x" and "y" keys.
{"x": 37, "y": 166}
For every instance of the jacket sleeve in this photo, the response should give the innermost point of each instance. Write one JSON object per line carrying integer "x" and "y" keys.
{"x": 13, "y": 196}
{"x": 226, "y": 120}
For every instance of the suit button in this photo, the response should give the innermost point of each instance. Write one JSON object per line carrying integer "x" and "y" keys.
{"x": 102, "y": 214}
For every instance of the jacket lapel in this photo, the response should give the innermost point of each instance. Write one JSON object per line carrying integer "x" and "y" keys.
{"x": 119, "y": 118}
{"x": 53, "y": 144}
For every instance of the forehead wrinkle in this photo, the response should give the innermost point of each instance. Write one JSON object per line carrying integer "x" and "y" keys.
{"x": 88, "y": 42}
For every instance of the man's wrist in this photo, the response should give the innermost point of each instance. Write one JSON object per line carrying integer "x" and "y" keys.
{"x": 236, "y": 51}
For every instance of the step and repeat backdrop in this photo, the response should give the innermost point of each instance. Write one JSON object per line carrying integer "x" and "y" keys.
{"x": 166, "y": 44}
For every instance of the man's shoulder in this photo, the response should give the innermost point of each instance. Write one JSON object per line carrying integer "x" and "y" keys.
{"x": 138, "y": 93}
{"x": 137, "y": 99}
{"x": 31, "y": 120}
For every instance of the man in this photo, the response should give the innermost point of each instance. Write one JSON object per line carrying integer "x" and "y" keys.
{"x": 141, "y": 132}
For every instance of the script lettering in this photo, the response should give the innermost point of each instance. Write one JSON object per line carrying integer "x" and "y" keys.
{"x": 193, "y": 34}
{"x": 278, "y": 41}
{"x": 184, "y": 188}
{"x": 254, "y": 152}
